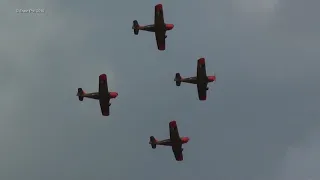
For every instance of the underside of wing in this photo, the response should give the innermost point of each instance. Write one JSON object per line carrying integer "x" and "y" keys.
{"x": 105, "y": 108}
{"x": 158, "y": 14}
{"x": 174, "y": 132}
{"x": 202, "y": 92}
{"x": 103, "y": 83}
{"x": 201, "y": 67}
{"x": 104, "y": 95}
{"x": 161, "y": 40}
{"x": 177, "y": 151}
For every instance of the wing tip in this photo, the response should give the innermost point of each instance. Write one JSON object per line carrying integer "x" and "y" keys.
{"x": 201, "y": 61}
{"x": 180, "y": 158}
{"x": 173, "y": 123}
{"x": 161, "y": 48}
{"x": 103, "y": 77}
{"x": 158, "y": 6}
{"x": 105, "y": 114}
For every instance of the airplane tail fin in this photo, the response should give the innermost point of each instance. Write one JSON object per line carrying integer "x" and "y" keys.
{"x": 135, "y": 27}
{"x": 177, "y": 79}
{"x": 80, "y": 94}
{"x": 152, "y": 142}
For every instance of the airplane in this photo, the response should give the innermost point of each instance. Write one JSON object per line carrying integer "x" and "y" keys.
{"x": 201, "y": 80}
{"x": 175, "y": 141}
{"x": 103, "y": 95}
{"x": 159, "y": 27}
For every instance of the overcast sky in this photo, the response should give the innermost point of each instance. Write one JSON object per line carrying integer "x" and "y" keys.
{"x": 260, "y": 121}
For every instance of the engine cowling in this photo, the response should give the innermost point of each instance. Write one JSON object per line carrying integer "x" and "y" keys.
{"x": 185, "y": 139}
{"x": 169, "y": 26}
{"x": 211, "y": 78}
{"x": 113, "y": 95}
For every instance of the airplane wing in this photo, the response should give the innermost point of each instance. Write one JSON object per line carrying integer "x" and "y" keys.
{"x": 175, "y": 137}
{"x": 158, "y": 14}
{"x": 202, "y": 91}
{"x": 174, "y": 132}
{"x": 161, "y": 40}
{"x": 201, "y": 68}
{"x": 177, "y": 151}
{"x": 159, "y": 21}
{"x": 105, "y": 108}
{"x": 202, "y": 73}
{"x": 104, "y": 95}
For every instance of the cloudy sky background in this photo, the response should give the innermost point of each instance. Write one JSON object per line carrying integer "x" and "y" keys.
{"x": 260, "y": 122}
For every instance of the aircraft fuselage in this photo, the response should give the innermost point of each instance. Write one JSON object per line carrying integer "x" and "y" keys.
{"x": 169, "y": 142}
{"x": 156, "y": 27}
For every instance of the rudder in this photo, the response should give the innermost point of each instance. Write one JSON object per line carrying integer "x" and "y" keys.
{"x": 177, "y": 79}
{"x": 135, "y": 27}
{"x": 153, "y": 142}
{"x": 80, "y": 94}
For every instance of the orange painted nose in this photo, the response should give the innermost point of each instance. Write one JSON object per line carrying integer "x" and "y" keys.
{"x": 185, "y": 139}
{"x": 211, "y": 78}
{"x": 113, "y": 94}
{"x": 169, "y": 26}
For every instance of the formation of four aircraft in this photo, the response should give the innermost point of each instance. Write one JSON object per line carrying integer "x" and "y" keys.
{"x": 201, "y": 80}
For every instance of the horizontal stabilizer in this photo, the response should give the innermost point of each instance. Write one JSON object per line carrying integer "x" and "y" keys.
{"x": 80, "y": 94}
{"x": 135, "y": 27}
{"x": 177, "y": 79}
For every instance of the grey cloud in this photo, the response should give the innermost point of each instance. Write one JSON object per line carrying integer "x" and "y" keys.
{"x": 263, "y": 102}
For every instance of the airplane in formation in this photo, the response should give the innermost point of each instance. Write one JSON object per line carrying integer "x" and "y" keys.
{"x": 103, "y": 95}
{"x": 201, "y": 80}
{"x": 159, "y": 27}
{"x": 175, "y": 141}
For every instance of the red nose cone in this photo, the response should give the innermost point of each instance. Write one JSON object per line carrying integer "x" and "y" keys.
{"x": 113, "y": 94}
{"x": 169, "y": 26}
{"x": 212, "y": 78}
{"x": 185, "y": 139}
{"x": 103, "y": 77}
